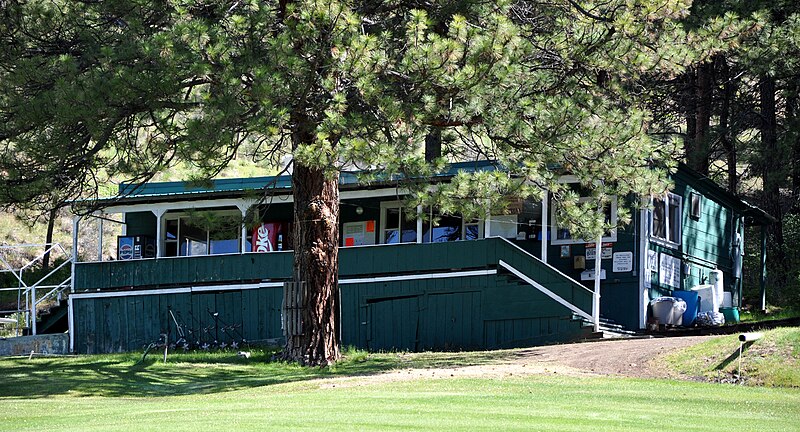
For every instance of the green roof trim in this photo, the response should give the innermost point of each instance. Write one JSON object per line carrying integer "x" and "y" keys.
{"x": 273, "y": 183}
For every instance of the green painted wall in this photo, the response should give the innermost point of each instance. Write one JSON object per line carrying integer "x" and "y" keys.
{"x": 140, "y": 223}
{"x": 619, "y": 300}
{"x": 706, "y": 242}
{"x": 481, "y": 312}
{"x": 489, "y": 311}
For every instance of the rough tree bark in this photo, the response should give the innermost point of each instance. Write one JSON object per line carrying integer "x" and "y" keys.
{"x": 698, "y": 157}
{"x": 51, "y": 222}
{"x": 433, "y": 144}
{"x": 725, "y": 133}
{"x": 688, "y": 103}
{"x": 771, "y": 175}
{"x": 316, "y": 260}
{"x": 316, "y": 263}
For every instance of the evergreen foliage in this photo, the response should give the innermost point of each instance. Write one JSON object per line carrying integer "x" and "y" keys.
{"x": 128, "y": 88}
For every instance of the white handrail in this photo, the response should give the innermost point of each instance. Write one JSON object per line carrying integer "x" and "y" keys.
{"x": 544, "y": 290}
{"x": 32, "y": 300}
{"x": 544, "y": 263}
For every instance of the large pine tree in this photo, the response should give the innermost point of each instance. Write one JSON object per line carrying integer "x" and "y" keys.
{"x": 133, "y": 86}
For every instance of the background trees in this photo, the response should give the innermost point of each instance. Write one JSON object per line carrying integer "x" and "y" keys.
{"x": 736, "y": 108}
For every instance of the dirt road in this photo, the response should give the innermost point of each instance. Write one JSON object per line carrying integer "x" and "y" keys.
{"x": 627, "y": 357}
{"x": 624, "y": 357}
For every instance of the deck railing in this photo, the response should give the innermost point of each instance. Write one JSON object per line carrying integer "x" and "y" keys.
{"x": 33, "y": 292}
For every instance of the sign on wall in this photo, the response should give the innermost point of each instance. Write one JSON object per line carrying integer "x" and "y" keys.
{"x": 669, "y": 271}
{"x": 607, "y": 250}
{"x": 652, "y": 260}
{"x": 622, "y": 262}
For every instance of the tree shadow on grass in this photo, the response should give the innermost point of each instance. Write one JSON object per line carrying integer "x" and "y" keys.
{"x": 123, "y": 375}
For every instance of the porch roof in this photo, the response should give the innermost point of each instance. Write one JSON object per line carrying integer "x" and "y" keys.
{"x": 130, "y": 193}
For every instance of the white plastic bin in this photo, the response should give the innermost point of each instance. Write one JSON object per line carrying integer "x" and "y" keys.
{"x": 669, "y": 310}
{"x": 715, "y": 278}
{"x": 709, "y": 302}
{"x": 727, "y": 299}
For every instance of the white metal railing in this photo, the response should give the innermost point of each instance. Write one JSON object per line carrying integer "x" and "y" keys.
{"x": 29, "y": 295}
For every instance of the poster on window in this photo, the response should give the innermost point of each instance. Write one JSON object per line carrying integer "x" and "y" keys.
{"x": 669, "y": 271}
{"x": 358, "y": 233}
{"x": 652, "y": 260}
{"x": 267, "y": 237}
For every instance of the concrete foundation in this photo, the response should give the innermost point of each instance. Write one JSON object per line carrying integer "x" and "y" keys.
{"x": 43, "y": 344}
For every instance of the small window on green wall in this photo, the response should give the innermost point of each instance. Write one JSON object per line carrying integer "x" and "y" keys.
{"x": 665, "y": 219}
{"x": 697, "y": 205}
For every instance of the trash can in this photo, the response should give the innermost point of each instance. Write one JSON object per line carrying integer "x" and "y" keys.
{"x": 731, "y": 314}
{"x": 692, "y": 306}
{"x": 669, "y": 310}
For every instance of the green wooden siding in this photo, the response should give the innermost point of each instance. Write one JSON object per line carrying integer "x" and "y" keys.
{"x": 464, "y": 312}
{"x": 706, "y": 242}
{"x": 140, "y": 224}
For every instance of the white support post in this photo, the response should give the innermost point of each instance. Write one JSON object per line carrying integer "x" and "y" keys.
{"x": 597, "y": 269}
{"x": 75, "y": 226}
{"x": 644, "y": 271}
{"x": 159, "y": 213}
{"x": 100, "y": 238}
{"x": 487, "y": 222}
{"x": 243, "y": 246}
{"x": 545, "y": 225}
{"x": 71, "y": 324}
{"x": 419, "y": 225}
{"x": 33, "y": 309}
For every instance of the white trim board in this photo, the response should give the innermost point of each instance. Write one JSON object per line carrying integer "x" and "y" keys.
{"x": 236, "y": 287}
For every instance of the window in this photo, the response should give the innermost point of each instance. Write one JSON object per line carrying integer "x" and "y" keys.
{"x": 697, "y": 206}
{"x": 561, "y": 235}
{"x": 187, "y": 236}
{"x": 397, "y": 226}
{"x": 665, "y": 220}
{"x": 439, "y": 227}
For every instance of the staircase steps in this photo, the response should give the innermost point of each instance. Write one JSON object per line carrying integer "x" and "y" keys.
{"x": 54, "y": 320}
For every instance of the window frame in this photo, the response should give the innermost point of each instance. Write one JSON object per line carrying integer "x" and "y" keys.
{"x": 177, "y": 216}
{"x": 612, "y": 237}
{"x": 669, "y": 206}
{"x": 385, "y": 206}
{"x": 464, "y": 223}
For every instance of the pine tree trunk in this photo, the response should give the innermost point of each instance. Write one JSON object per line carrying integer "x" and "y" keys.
{"x": 51, "y": 221}
{"x": 698, "y": 158}
{"x": 771, "y": 175}
{"x": 793, "y": 131}
{"x": 689, "y": 105}
{"x": 316, "y": 265}
{"x": 726, "y": 135}
{"x": 433, "y": 144}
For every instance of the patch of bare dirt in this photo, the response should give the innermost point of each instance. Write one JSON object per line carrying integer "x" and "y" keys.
{"x": 622, "y": 357}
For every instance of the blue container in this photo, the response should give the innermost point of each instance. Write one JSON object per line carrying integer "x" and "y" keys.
{"x": 692, "y": 306}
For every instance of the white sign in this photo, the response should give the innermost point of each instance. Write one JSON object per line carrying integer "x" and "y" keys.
{"x": 623, "y": 262}
{"x": 648, "y": 278}
{"x": 669, "y": 270}
{"x": 606, "y": 254}
{"x": 652, "y": 260}
{"x": 589, "y": 274}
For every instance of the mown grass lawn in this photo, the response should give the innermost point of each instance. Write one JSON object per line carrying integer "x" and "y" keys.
{"x": 772, "y": 361}
{"x": 221, "y": 392}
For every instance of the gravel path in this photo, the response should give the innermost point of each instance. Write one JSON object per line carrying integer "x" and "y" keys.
{"x": 626, "y": 357}
{"x": 623, "y": 357}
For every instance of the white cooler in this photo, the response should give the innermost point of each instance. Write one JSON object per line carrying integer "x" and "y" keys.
{"x": 669, "y": 310}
